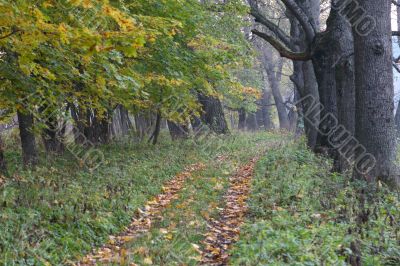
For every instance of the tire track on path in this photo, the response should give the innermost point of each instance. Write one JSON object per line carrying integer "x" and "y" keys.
{"x": 113, "y": 251}
{"x": 225, "y": 231}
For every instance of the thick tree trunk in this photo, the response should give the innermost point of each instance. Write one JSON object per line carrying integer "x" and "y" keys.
{"x": 144, "y": 124}
{"x": 157, "y": 129}
{"x": 3, "y": 163}
{"x": 311, "y": 118}
{"x": 53, "y": 138}
{"x": 28, "y": 142}
{"x": 323, "y": 62}
{"x": 263, "y": 113}
{"x": 53, "y": 133}
{"x": 242, "y": 119}
{"x": 306, "y": 83}
{"x": 196, "y": 125}
{"x": 178, "y": 131}
{"x": 374, "y": 91}
{"x": 293, "y": 113}
{"x": 273, "y": 74}
{"x": 213, "y": 114}
{"x": 102, "y": 128}
{"x": 125, "y": 123}
{"x": 116, "y": 124}
{"x": 251, "y": 122}
{"x": 397, "y": 116}
{"x": 343, "y": 53}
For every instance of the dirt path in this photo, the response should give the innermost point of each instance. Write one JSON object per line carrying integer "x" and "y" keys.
{"x": 113, "y": 252}
{"x": 224, "y": 231}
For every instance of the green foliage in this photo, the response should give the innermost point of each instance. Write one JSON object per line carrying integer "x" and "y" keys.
{"x": 301, "y": 214}
{"x": 58, "y": 212}
{"x": 141, "y": 54}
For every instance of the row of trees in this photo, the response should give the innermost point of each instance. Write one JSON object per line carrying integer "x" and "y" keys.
{"x": 347, "y": 68}
{"x": 98, "y": 63}
{"x": 93, "y": 65}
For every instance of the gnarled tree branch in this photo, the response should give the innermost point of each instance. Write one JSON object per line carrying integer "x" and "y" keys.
{"x": 260, "y": 18}
{"x": 282, "y": 49}
{"x": 302, "y": 18}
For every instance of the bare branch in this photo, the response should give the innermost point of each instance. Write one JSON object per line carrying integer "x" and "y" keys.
{"x": 8, "y": 35}
{"x": 260, "y": 18}
{"x": 282, "y": 49}
{"x": 302, "y": 18}
{"x": 396, "y": 67}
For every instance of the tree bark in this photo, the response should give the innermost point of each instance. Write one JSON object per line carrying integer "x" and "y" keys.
{"x": 251, "y": 122}
{"x": 196, "y": 124}
{"x": 28, "y": 142}
{"x": 213, "y": 114}
{"x": 157, "y": 129}
{"x": 3, "y": 163}
{"x": 53, "y": 133}
{"x": 323, "y": 63}
{"x": 273, "y": 74}
{"x": 293, "y": 113}
{"x": 242, "y": 119}
{"x": 397, "y": 116}
{"x": 178, "y": 131}
{"x": 122, "y": 120}
{"x": 306, "y": 83}
{"x": 343, "y": 53}
{"x": 375, "y": 92}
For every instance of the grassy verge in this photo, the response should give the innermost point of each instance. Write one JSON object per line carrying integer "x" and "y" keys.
{"x": 57, "y": 212}
{"x": 300, "y": 214}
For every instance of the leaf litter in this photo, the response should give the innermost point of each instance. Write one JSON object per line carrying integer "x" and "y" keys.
{"x": 225, "y": 230}
{"x": 113, "y": 251}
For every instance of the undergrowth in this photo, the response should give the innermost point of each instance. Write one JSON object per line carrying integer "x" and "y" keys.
{"x": 54, "y": 214}
{"x": 301, "y": 214}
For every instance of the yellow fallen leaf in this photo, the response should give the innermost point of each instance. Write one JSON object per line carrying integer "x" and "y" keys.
{"x": 127, "y": 238}
{"x": 163, "y": 231}
{"x": 169, "y": 236}
{"x": 148, "y": 261}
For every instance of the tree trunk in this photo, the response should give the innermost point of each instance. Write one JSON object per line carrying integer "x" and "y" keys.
{"x": 264, "y": 111}
{"x": 157, "y": 129}
{"x": 79, "y": 129}
{"x": 53, "y": 133}
{"x": 306, "y": 83}
{"x": 374, "y": 92}
{"x": 397, "y": 116}
{"x": 178, "y": 131}
{"x": 251, "y": 122}
{"x": 121, "y": 121}
{"x": 242, "y": 119}
{"x": 213, "y": 114}
{"x": 293, "y": 113}
{"x": 323, "y": 62}
{"x": 343, "y": 53}
{"x": 273, "y": 74}
{"x": 144, "y": 122}
{"x": 3, "y": 163}
{"x": 28, "y": 142}
{"x": 196, "y": 125}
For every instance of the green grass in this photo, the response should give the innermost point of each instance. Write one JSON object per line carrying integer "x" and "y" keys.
{"x": 58, "y": 212}
{"x": 301, "y": 214}
{"x": 175, "y": 240}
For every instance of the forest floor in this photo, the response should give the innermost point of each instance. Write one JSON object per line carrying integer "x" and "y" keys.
{"x": 244, "y": 199}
